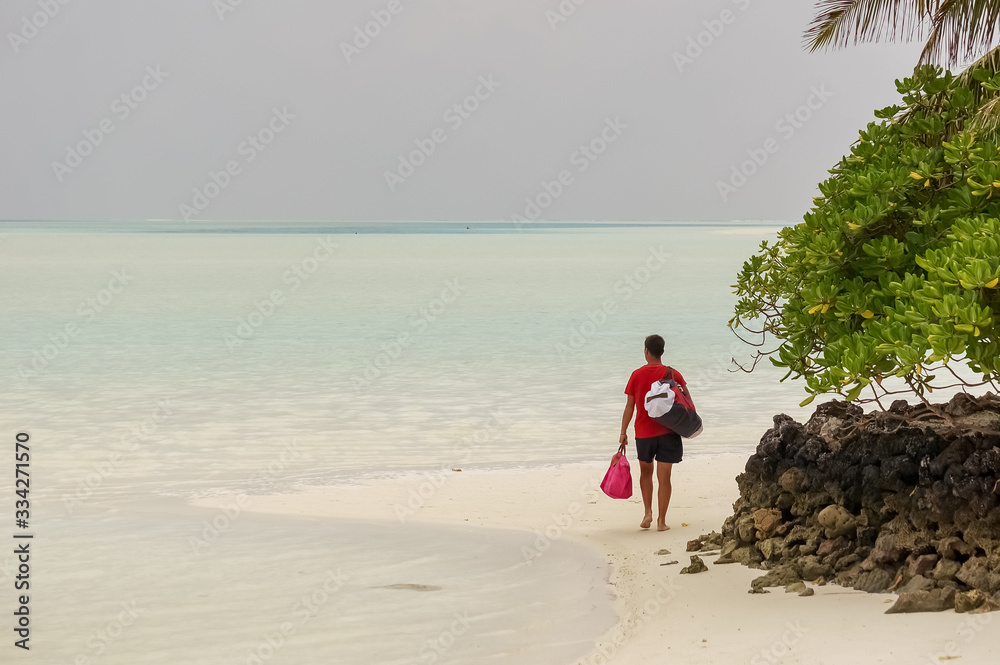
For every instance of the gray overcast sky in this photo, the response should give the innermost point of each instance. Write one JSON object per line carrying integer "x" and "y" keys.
{"x": 672, "y": 129}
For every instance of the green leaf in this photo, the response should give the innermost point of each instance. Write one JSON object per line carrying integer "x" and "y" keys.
{"x": 899, "y": 260}
{"x": 855, "y": 392}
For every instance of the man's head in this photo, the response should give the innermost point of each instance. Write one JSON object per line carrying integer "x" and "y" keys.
{"x": 655, "y": 345}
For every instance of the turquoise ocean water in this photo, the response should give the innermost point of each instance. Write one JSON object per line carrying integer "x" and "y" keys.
{"x": 155, "y": 367}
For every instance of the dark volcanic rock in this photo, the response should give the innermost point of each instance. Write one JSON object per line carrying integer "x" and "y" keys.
{"x": 917, "y": 583}
{"x": 726, "y": 555}
{"x": 953, "y": 548}
{"x": 874, "y": 581}
{"x": 978, "y": 574}
{"x": 781, "y": 575}
{"x": 975, "y": 601}
{"x": 922, "y": 564}
{"x": 837, "y": 521}
{"x": 766, "y": 521}
{"x": 712, "y": 541}
{"x": 697, "y": 566}
{"x": 946, "y": 569}
{"x": 811, "y": 568}
{"x": 828, "y": 547}
{"x": 924, "y": 601}
{"x": 743, "y": 555}
{"x": 793, "y": 480}
{"x": 888, "y": 501}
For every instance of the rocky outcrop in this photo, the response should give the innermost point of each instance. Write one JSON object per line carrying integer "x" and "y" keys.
{"x": 697, "y": 566}
{"x": 898, "y": 501}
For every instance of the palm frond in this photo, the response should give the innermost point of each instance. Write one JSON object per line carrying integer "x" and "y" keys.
{"x": 961, "y": 30}
{"x": 987, "y": 119}
{"x": 839, "y": 23}
{"x": 990, "y": 62}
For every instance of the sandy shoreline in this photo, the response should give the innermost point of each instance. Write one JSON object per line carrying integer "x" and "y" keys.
{"x": 664, "y": 616}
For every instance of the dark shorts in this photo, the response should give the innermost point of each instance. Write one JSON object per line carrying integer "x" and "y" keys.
{"x": 666, "y": 448}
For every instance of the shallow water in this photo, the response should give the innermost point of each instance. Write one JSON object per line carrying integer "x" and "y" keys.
{"x": 154, "y": 367}
{"x": 160, "y": 584}
{"x": 361, "y": 367}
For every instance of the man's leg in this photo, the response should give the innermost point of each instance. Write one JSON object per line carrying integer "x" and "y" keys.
{"x": 663, "y": 493}
{"x": 646, "y": 485}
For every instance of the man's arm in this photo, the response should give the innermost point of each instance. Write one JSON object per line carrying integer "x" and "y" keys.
{"x": 626, "y": 419}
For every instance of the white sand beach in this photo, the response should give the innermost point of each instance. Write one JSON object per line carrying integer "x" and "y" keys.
{"x": 663, "y": 616}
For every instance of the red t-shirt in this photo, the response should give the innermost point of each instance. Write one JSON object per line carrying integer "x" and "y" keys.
{"x": 639, "y": 384}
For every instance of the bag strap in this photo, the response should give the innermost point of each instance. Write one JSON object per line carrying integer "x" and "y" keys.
{"x": 669, "y": 374}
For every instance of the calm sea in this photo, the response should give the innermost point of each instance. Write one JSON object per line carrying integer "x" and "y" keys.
{"x": 154, "y": 367}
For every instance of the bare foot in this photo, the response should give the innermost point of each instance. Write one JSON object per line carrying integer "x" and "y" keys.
{"x": 662, "y": 527}
{"x": 646, "y": 522}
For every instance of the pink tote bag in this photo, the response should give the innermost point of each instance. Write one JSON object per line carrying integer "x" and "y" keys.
{"x": 617, "y": 481}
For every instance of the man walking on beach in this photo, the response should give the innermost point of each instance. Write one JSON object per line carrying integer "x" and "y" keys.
{"x": 652, "y": 440}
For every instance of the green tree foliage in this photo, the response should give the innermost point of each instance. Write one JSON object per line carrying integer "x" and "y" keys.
{"x": 890, "y": 283}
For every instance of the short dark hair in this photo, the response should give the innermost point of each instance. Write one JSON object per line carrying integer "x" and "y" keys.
{"x": 655, "y": 346}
